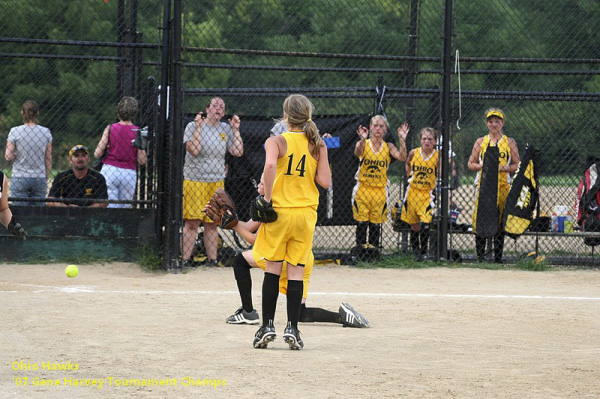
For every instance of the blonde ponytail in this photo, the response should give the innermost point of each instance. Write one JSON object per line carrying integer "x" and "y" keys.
{"x": 298, "y": 109}
{"x": 312, "y": 132}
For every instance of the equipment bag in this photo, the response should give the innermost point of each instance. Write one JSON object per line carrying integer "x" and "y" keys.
{"x": 488, "y": 212}
{"x": 587, "y": 206}
{"x": 523, "y": 195}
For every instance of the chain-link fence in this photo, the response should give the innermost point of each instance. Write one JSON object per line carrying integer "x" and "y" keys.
{"x": 546, "y": 82}
{"x": 66, "y": 67}
{"x": 353, "y": 60}
{"x": 356, "y": 60}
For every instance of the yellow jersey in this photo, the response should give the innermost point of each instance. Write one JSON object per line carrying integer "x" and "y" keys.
{"x": 294, "y": 185}
{"x": 423, "y": 170}
{"x": 373, "y": 166}
{"x": 504, "y": 149}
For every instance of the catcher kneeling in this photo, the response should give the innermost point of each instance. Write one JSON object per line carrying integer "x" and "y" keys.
{"x": 222, "y": 210}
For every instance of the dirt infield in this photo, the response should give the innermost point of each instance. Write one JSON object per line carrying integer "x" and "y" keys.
{"x": 436, "y": 333}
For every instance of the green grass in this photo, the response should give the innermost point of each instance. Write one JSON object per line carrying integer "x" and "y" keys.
{"x": 149, "y": 259}
{"x": 406, "y": 262}
{"x": 533, "y": 265}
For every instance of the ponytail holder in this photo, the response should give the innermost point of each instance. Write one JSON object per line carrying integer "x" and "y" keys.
{"x": 308, "y": 120}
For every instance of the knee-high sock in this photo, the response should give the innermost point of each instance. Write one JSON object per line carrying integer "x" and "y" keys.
{"x": 414, "y": 241}
{"x": 480, "y": 247}
{"x": 498, "y": 246}
{"x": 361, "y": 233}
{"x": 374, "y": 234}
{"x": 311, "y": 315}
{"x": 270, "y": 293}
{"x": 294, "y": 300}
{"x": 241, "y": 270}
{"x": 424, "y": 238}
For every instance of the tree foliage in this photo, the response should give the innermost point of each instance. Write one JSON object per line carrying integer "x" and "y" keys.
{"x": 77, "y": 97}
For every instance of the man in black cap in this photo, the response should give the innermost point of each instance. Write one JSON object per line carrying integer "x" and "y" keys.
{"x": 80, "y": 182}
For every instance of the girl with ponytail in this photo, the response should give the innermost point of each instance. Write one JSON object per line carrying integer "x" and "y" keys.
{"x": 295, "y": 162}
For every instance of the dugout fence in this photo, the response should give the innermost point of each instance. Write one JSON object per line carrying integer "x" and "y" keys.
{"x": 427, "y": 63}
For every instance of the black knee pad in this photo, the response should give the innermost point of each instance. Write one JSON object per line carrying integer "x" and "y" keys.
{"x": 241, "y": 268}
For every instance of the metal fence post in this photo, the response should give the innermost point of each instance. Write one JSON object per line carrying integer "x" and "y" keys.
{"x": 176, "y": 144}
{"x": 161, "y": 135}
{"x": 446, "y": 82}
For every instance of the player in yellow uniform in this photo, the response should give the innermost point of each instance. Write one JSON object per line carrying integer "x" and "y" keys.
{"x": 508, "y": 163}
{"x": 295, "y": 162}
{"x": 419, "y": 201}
{"x": 243, "y": 262}
{"x": 370, "y": 194}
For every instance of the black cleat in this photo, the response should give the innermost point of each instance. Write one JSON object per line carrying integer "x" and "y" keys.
{"x": 264, "y": 335}
{"x": 291, "y": 335}
{"x": 189, "y": 264}
{"x": 418, "y": 257}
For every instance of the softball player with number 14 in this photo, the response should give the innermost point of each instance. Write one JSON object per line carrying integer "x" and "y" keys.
{"x": 295, "y": 161}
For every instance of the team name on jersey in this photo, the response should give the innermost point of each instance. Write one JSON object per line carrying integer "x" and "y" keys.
{"x": 374, "y": 162}
{"x": 417, "y": 168}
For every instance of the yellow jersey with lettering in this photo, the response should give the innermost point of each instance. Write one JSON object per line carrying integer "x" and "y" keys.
{"x": 423, "y": 170}
{"x": 504, "y": 149}
{"x": 373, "y": 166}
{"x": 294, "y": 185}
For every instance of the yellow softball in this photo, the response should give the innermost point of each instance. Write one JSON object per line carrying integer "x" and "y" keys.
{"x": 72, "y": 271}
